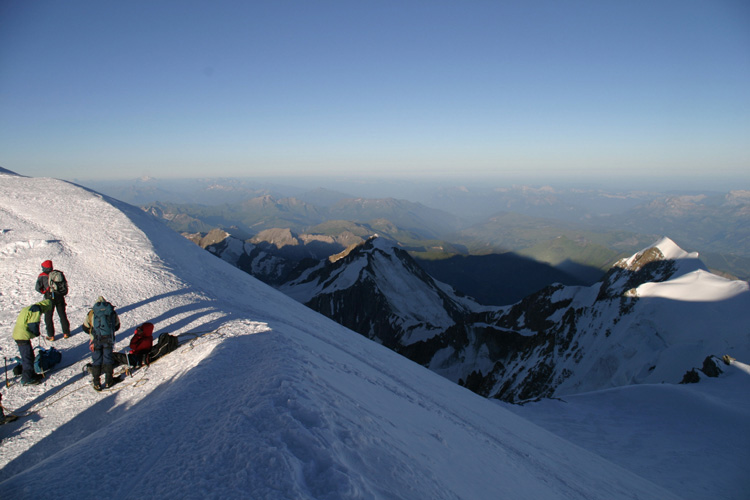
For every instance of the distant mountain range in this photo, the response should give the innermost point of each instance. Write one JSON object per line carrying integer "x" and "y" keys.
{"x": 645, "y": 322}
{"x": 580, "y": 231}
{"x": 266, "y": 212}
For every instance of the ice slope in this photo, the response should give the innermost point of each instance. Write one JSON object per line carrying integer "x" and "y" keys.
{"x": 277, "y": 402}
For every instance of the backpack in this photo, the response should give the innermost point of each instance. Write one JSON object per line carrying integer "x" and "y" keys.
{"x": 45, "y": 360}
{"x": 102, "y": 322}
{"x": 57, "y": 282}
{"x": 166, "y": 344}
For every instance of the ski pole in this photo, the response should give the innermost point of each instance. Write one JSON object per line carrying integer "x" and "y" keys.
{"x": 7, "y": 384}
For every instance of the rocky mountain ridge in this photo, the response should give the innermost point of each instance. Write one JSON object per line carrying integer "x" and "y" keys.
{"x": 560, "y": 340}
{"x": 378, "y": 290}
{"x": 654, "y": 316}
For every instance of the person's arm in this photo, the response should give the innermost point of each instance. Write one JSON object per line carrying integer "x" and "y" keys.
{"x": 35, "y": 315}
{"x": 136, "y": 340}
{"x": 33, "y": 329}
{"x": 42, "y": 284}
{"x": 87, "y": 323}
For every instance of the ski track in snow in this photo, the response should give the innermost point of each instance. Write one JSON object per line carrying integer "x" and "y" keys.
{"x": 274, "y": 402}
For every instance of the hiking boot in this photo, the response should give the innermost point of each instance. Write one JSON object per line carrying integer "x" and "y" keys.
{"x": 108, "y": 375}
{"x": 96, "y": 385}
{"x": 33, "y": 381}
{"x": 51, "y": 338}
{"x": 66, "y": 335}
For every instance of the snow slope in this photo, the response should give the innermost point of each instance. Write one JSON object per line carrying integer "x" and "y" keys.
{"x": 275, "y": 402}
{"x": 664, "y": 432}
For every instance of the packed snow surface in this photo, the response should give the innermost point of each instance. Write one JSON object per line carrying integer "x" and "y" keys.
{"x": 697, "y": 286}
{"x": 267, "y": 399}
{"x": 665, "y": 432}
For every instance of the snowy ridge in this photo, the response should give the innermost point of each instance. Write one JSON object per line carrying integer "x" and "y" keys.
{"x": 275, "y": 402}
{"x": 668, "y": 249}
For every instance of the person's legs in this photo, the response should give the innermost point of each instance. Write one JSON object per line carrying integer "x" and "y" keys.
{"x": 49, "y": 322}
{"x": 96, "y": 366}
{"x": 63, "y": 315}
{"x": 25, "y": 349}
{"x": 108, "y": 365}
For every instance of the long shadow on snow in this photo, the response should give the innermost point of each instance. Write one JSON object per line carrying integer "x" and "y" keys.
{"x": 136, "y": 305}
{"x": 183, "y": 322}
{"x": 83, "y": 426}
{"x": 34, "y": 417}
{"x": 82, "y": 354}
{"x": 101, "y": 432}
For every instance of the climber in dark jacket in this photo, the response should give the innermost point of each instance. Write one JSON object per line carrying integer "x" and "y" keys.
{"x": 58, "y": 303}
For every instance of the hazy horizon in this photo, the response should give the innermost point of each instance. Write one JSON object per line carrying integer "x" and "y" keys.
{"x": 311, "y": 182}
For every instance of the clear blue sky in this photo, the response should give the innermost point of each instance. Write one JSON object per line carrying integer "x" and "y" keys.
{"x": 120, "y": 89}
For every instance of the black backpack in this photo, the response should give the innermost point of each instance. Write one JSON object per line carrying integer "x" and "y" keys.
{"x": 45, "y": 360}
{"x": 57, "y": 282}
{"x": 164, "y": 345}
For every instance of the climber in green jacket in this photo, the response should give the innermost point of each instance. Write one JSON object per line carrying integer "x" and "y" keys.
{"x": 27, "y": 328}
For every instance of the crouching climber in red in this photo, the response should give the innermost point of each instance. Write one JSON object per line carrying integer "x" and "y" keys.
{"x": 140, "y": 346}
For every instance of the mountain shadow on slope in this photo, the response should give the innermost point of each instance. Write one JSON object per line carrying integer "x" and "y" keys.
{"x": 6, "y": 171}
{"x": 501, "y": 279}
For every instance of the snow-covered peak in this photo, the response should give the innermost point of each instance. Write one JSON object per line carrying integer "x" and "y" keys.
{"x": 662, "y": 261}
{"x": 384, "y": 244}
{"x": 663, "y": 249}
{"x": 671, "y": 251}
{"x": 377, "y": 289}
